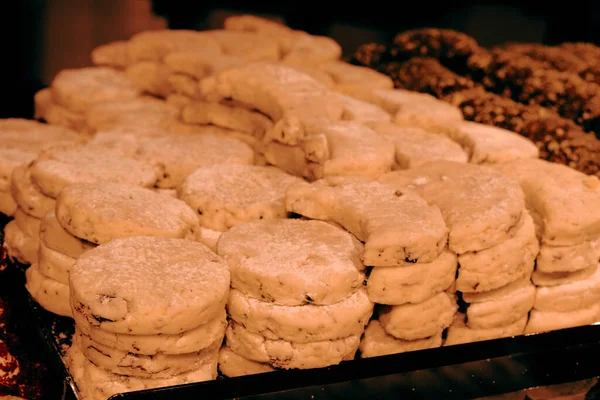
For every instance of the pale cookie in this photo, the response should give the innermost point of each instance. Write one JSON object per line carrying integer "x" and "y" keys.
{"x": 184, "y": 85}
{"x": 314, "y": 71}
{"x": 32, "y": 136}
{"x": 287, "y": 355}
{"x": 249, "y": 46}
{"x": 569, "y": 296}
{"x": 79, "y": 89}
{"x": 50, "y": 294}
{"x": 377, "y": 342}
{"x": 134, "y": 285}
{"x": 26, "y": 194}
{"x": 59, "y": 167}
{"x": 142, "y": 111}
{"x": 181, "y": 155}
{"x": 28, "y": 224}
{"x": 9, "y": 160}
{"x": 460, "y": 333}
{"x": 301, "y": 324}
{"x": 357, "y": 110}
{"x": 395, "y": 226}
{"x": 157, "y": 44}
{"x": 150, "y": 77}
{"x": 291, "y": 159}
{"x": 190, "y": 341}
{"x": 123, "y": 141}
{"x": 18, "y": 245}
{"x": 566, "y": 202}
{"x": 208, "y": 237}
{"x": 560, "y": 278}
{"x": 415, "y": 146}
{"x": 480, "y": 205}
{"x": 56, "y": 238}
{"x": 42, "y": 100}
{"x": 503, "y": 307}
{"x": 490, "y": 144}
{"x": 497, "y": 266}
{"x": 58, "y": 115}
{"x": 293, "y": 262}
{"x": 412, "y": 283}
{"x": 344, "y": 73}
{"x": 53, "y": 264}
{"x": 232, "y": 364}
{"x": 227, "y": 116}
{"x": 225, "y": 195}
{"x": 420, "y": 320}
{"x": 200, "y": 65}
{"x": 113, "y": 54}
{"x": 102, "y": 211}
{"x": 154, "y": 366}
{"x": 7, "y": 204}
{"x": 552, "y": 259}
{"x": 313, "y": 49}
{"x": 544, "y": 321}
{"x": 167, "y": 192}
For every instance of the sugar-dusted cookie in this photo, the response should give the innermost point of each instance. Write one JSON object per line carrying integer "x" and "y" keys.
{"x": 232, "y": 364}
{"x": 377, "y": 342}
{"x": 50, "y": 294}
{"x": 27, "y": 195}
{"x": 459, "y": 332}
{"x": 19, "y": 245}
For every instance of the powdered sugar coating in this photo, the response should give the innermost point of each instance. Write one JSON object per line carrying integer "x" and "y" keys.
{"x": 293, "y": 262}
{"x": 148, "y": 285}
{"x": 227, "y": 195}
{"x": 102, "y": 211}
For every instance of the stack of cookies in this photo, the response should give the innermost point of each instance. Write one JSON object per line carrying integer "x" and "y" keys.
{"x": 493, "y": 236}
{"x": 565, "y": 206}
{"x": 297, "y": 297}
{"x": 137, "y": 327}
{"x": 89, "y": 214}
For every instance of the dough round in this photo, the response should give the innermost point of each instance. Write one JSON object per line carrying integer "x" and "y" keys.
{"x": 553, "y": 259}
{"x": 56, "y": 238}
{"x": 53, "y": 264}
{"x": 569, "y": 296}
{"x": 50, "y": 294}
{"x": 232, "y": 364}
{"x": 11, "y": 159}
{"x": 29, "y": 198}
{"x": 377, "y": 342}
{"x": 544, "y": 321}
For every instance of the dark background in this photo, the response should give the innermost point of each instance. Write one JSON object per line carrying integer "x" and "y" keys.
{"x": 40, "y": 37}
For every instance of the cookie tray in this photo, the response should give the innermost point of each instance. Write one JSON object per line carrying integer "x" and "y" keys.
{"x": 469, "y": 371}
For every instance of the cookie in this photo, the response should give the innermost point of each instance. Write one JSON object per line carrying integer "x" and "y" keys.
{"x": 50, "y": 294}
{"x": 459, "y": 332}
{"x": 113, "y": 54}
{"x": 28, "y": 224}
{"x": 358, "y": 110}
{"x": 56, "y": 238}
{"x": 293, "y": 262}
{"x": 26, "y": 194}
{"x": 149, "y": 77}
{"x": 544, "y": 321}
{"x": 559, "y": 278}
{"x": 412, "y": 283}
{"x": 208, "y": 237}
{"x": 190, "y": 341}
{"x": 249, "y": 46}
{"x": 420, "y": 320}
{"x": 564, "y": 203}
{"x": 287, "y": 355}
{"x": 7, "y": 204}
{"x": 141, "y": 111}
{"x": 59, "y": 167}
{"x": 480, "y": 205}
{"x": 42, "y": 100}
{"x": 499, "y": 265}
{"x": 57, "y": 115}
{"x": 155, "y": 45}
{"x": 309, "y": 323}
{"x": 313, "y": 49}
{"x": 181, "y": 155}
{"x": 228, "y": 195}
{"x": 312, "y": 70}
{"x": 11, "y": 159}
{"x": 20, "y": 246}
{"x": 54, "y": 265}
{"x": 102, "y": 211}
{"x": 32, "y": 136}
{"x": 184, "y": 85}
{"x": 134, "y": 285}
{"x": 344, "y": 73}
{"x": 201, "y": 64}
{"x": 553, "y": 259}
{"x": 179, "y": 100}
{"x": 78, "y": 89}
{"x": 395, "y": 226}
{"x": 232, "y": 364}
{"x": 569, "y": 296}
{"x": 377, "y": 342}
{"x": 415, "y": 146}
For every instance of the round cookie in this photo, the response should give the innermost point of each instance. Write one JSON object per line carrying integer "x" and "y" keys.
{"x": 190, "y": 341}
{"x": 303, "y": 324}
{"x": 566, "y": 258}
{"x": 33, "y": 136}
{"x": 569, "y": 296}
{"x": 228, "y": 195}
{"x": 293, "y": 262}
{"x": 56, "y": 238}
{"x": 284, "y": 354}
{"x": 58, "y": 167}
{"x": 560, "y": 278}
{"x": 459, "y": 332}
{"x": 102, "y": 211}
{"x": 181, "y": 155}
{"x": 544, "y": 321}
{"x": 208, "y": 237}
{"x": 7, "y": 204}
{"x": 29, "y": 198}
{"x": 50, "y": 294}
{"x": 53, "y": 264}
{"x": 142, "y": 111}
{"x": 20, "y": 246}
{"x": 11, "y": 159}
{"x": 410, "y": 282}
{"x": 232, "y": 364}
{"x": 155, "y": 45}
{"x": 377, "y": 342}
{"x": 421, "y": 320}
{"x": 28, "y": 224}
{"x": 149, "y": 285}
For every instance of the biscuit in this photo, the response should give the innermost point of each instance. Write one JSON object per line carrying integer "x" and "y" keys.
{"x": 232, "y": 364}
{"x": 150, "y": 77}
{"x": 249, "y": 46}
{"x": 459, "y": 332}
{"x": 53, "y": 264}
{"x": 7, "y": 204}
{"x": 32, "y": 136}
{"x": 200, "y": 65}
{"x": 133, "y": 285}
{"x": 553, "y": 259}
{"x": 57, "y": 115}
{"x": 420, "y": 320}
{"x": 155, "y": 45}
{"x": 56, "y": 238}
{"x": 42, "y": 100}
{"x": 358, "y": 110}
{"x": 559, "y": 278}
{"x": 344, "y": 73}
{"x": 180, "y": 155}
{"x": 309, "y": 323}
{"x": 102, "y": 211}
{"x": 142, "y": 111}
{"x": 544, "y": 321}
{"x": 228, "y": 195}
{"x": 50, "y": 294}
{"x": 480, "y": 205}
{"x": 377, "y": 342}
{"x": 11, "y": 159}
{"x": 26, "y": 194}
{"x": 412, "y": 283}
{"x": 312, "y": 70}
{"x": 208, "y": 237}
{"x": 28, "y": 224}
{"x": 184, "y": 85}
{"x": 293, "y": 262}
{"x": 113, "y": 54}
{"x": 287, "y": 355}
{"x": 569, "y": 296}
{"x": 18, "y": 245}
{"x": 415, "y": 146}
